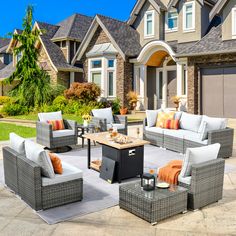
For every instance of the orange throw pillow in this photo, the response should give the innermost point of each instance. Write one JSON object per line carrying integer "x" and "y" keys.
{"x": 56, "y": 124}
{"x": 56, "y": 163}
{"x": 162, "y": 116}
{"x": 171, "y": 124}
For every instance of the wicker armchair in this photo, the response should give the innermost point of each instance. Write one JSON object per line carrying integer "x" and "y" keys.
{"x": 121, "y": 122}
{"x": 23, "y": 176}
{"x": 206, "y": 184}
{"x": 46, "y": 136}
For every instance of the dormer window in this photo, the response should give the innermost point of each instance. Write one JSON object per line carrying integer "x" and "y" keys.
{"x": 172, "y": 20}
{"x": 189, "y": 16}
{"x": 234, "y": 22}
{"x": 149, "y": 24}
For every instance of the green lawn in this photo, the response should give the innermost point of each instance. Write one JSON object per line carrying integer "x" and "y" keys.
{"x": 6, "y": 129}
{"x": 34, "y": 117}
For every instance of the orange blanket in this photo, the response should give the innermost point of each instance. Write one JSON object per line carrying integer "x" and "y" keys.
{"x": 170, "y": 172}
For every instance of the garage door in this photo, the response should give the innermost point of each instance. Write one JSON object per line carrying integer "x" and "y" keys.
{"x": 219, "y": 92}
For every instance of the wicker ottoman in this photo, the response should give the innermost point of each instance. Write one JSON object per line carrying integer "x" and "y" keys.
{"x": 153, "y": 206}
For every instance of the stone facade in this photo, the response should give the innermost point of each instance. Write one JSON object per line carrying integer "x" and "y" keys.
{"x": 63, "y": 78}
{"x": 124, "y": 69}
{"x": 194, "y": 76}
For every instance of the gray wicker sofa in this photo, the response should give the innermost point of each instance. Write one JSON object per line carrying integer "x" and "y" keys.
{"x": 24, "y": 177}
{"x": 180, "y": 140}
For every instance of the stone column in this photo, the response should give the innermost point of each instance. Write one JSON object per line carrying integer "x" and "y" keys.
{"x": 180, "y": 79}
{"x": 164, "y": 89}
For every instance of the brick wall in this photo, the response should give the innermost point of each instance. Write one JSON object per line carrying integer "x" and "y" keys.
{"x": 194, "y": 66}
{"x": 124, "y": 69}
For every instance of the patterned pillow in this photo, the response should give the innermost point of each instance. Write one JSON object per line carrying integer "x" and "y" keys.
{"x": 56, "y": 163}
{"x": 56, "y": 124}
{"x": 162, "y": 116}
{"x": 171, "y": 124}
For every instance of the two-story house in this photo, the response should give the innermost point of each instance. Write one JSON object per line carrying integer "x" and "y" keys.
{"x": 57, "y": 46}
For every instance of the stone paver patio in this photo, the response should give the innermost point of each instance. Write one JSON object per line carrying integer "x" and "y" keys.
{"x": 217, "y": 219}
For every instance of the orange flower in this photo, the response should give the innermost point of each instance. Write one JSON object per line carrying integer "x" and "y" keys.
{"x": 152, "y": 171}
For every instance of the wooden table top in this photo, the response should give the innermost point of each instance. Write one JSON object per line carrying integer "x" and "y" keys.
{"x": 104, "y": 138}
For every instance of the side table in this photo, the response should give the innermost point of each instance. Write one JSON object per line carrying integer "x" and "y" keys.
{"x": 85, "y": 129}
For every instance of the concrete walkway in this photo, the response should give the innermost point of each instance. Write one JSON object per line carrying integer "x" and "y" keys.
{"x": 217, "y": 219}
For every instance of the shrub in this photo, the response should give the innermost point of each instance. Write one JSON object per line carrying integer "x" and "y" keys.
{"x": 72, "y": 107}
{"x": 4, "y": 99}
{"x": 116, "y": 106}
{"x": 14, "y": 109}
{"x": 59, "y": 103}
{"x": 83, "y": 91}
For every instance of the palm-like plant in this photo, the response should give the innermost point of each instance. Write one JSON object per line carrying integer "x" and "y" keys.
{"x": 33, "y": 84}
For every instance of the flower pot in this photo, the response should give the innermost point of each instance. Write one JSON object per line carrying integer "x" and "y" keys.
{"x": 123, "y": 111}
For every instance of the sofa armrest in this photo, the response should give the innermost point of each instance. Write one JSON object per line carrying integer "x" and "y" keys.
{"x": 223, "y": 136}
{"x": 71, "y": 124}
{"x": 120, "y": 119}
{"x": 207, "y": 175}
{"x": 29, "y": 182}
{"x": 100, "y": 123}
{"x": 44, "y": 133}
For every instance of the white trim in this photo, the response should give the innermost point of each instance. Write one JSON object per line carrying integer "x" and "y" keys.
{"x": 167, "y": 29}
{"x": 233, "y": 22}
{"x": 146, "y": 35}
{"x": 152, "y": 47}
{"x": 191, "y": 29}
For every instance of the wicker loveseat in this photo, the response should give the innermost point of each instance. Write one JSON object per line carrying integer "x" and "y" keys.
{"x": 189, "y": 137}
{"x": 25, "y": 178}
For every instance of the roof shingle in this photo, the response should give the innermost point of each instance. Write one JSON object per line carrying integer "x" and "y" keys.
{"x": 7, "y": 71}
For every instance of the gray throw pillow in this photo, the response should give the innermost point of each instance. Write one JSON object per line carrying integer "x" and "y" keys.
{"x": 38, "y": 155}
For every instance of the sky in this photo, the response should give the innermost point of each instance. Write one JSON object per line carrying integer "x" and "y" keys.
{"x": 54, "y": 11}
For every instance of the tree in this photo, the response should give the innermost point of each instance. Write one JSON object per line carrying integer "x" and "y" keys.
{"x": 33, "y": 87}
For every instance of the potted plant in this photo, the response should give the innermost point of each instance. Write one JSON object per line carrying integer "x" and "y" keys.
{"x": 132, "y": 97}
{"x": 176, "y": 101}
{"x": 123, "y": 110}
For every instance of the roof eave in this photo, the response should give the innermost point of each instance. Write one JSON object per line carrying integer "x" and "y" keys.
{"x": 58, "y": 39}
{"x": 217, "y": 9}
{"x": 70, "y": 69}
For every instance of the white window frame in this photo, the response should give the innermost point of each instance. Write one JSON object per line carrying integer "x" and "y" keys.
{"x": 233, "y": 22}
{"x": 167, "y": 29}
{"x": 146, "y": 35}
{"x": 104, "y": 70}
{"x": 193, "y": 17}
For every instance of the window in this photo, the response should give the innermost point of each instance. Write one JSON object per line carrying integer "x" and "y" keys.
{"x": 149, "y": 24}
{"x": 18, "y": 56}
{"x": 110, "y": 63}
{"x": 172, "y": 20}
{"x": 234, "y": 22}
{"x": 97, "y": 78}
{"x": 111, "y": 84}
{"x": 96, "y": 64}
{"x": 189, "y": 16}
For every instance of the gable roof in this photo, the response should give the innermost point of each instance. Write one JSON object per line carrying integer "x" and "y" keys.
{"x": 211, "y": 43}
{"x": 74, "y": 27}
{"x": 217, "y": 8}
{"x": 123, "y": 37}
{"x": 2, "y": 65}
{"x": 47, "y": 29}
{"x": 173, "y": 3}
{"x": 4, "y": 42}
{"x": 157, "y": 4}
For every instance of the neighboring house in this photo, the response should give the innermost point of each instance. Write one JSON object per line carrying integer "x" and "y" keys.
{"x": 5, "y": 58}
{"x": 57, "y": 46}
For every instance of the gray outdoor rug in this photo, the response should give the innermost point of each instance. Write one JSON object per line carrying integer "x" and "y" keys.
{"x": 98, "y": 194}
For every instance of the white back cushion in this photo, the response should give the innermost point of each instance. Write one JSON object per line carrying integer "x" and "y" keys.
{"x": 152, "y": 117}
{"x": 17, "y": 143}
{"x": 190, "y": 121}
{"x": 212, "y": 124}
{"x": 43, "y": 117}
{"x": 198, "y": 155}
{"x": 104, "y": 113}
{"x": 37, "y": 154}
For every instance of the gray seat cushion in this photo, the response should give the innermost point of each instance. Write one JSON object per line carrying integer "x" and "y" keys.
{"x": 157, "y": 130}
{"x": 63, "y": 133}
{"x": 69, "y": 173}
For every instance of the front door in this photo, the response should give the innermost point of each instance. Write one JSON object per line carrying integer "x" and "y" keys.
{"x": 171, "y": 87}
{"x": 151, "y": 87}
